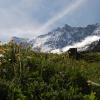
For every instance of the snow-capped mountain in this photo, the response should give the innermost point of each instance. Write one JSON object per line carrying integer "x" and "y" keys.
{"x": 61, "y": 39}
{"x": 64, "y": 38}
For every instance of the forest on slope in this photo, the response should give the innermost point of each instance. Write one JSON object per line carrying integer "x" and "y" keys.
{"x": 27, "y": 75}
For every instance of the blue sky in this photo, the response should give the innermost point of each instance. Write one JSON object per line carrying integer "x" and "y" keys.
{"x": 28, "y": 18}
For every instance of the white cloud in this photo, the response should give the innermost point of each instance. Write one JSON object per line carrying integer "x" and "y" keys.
{"x": 83, "y": 44}
{"x": 79, "y": 45}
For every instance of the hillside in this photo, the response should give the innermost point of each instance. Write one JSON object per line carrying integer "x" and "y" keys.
{"x": 27, "y": 75}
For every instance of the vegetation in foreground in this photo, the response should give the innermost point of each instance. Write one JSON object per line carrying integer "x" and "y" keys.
{"x": 26, "y": 75}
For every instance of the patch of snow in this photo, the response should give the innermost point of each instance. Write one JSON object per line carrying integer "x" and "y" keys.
{"x": 81, "y": 46}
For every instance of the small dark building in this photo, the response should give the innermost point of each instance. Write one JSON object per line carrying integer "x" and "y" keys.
{"x": 73, "y": 53}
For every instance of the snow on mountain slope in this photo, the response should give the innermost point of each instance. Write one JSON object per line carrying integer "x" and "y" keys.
{"x": 81, "y": 46}
{"x": 61, "y": 39}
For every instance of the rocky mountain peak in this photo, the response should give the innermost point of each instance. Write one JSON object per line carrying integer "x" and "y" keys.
{"x": 63, "y": 37}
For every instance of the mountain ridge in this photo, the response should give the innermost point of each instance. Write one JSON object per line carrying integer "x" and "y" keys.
{"x": 65, "y": 36}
